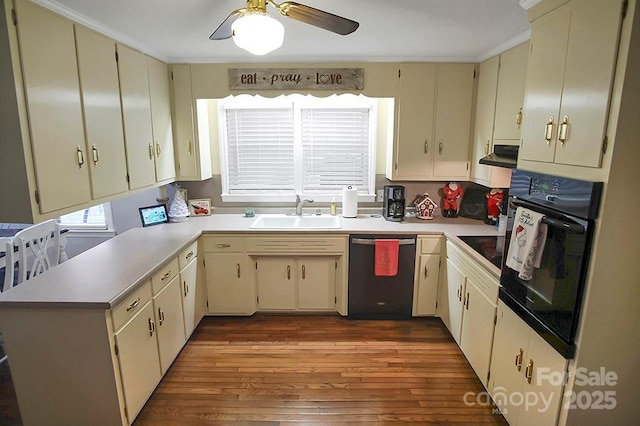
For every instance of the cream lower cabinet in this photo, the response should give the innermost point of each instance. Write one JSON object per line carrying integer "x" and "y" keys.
{"x": 288, "y": 283}
{"x": 230, "y": 287}
{"x": 427, "y": 276}
{"x": 468, "y": 308}
{"x": 169, "y": 323}
{"x": 525, "y": 368}
{"x": 191, "y": 299}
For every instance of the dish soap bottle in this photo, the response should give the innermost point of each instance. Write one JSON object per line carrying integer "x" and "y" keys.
{"x": 333, "y": 206}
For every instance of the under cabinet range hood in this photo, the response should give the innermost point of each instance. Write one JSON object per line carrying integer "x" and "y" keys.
{"x": 502, "y": 156}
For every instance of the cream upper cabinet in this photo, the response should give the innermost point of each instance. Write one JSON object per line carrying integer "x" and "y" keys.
{"x": 193, "y": 156}
{"x": 136, "y": 108}
{"x": 485, "y": 113}
{"x": 161, "y": 119}
{"x": 569, "y": 79}
{"x": 50, "y": 68}
{"x": 512, "y": 76}
{"x": 102, "y": 112}
{"x": 434, "y": 119}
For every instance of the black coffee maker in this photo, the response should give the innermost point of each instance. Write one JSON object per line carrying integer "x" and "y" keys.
{"x": 394, "y": 203}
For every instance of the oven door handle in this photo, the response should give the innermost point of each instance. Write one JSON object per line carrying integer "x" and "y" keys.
{"x": 556, "y": 223}
{"x": 371, "y": 242}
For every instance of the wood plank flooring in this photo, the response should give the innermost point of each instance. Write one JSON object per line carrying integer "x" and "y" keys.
{"x": 324, "y": 370}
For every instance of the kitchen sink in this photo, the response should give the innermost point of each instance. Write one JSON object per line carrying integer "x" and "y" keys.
{"x": 297, "y": 222}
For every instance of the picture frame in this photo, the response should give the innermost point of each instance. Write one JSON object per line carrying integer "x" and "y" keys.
{"x": 200, "y": 207}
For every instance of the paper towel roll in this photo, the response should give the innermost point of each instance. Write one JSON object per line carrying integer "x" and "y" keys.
{"x": 349, "y": 202}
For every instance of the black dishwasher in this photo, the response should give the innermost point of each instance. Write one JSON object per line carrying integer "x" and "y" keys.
{"x": 380, "y": 297}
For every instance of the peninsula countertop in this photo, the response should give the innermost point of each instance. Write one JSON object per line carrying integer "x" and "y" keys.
{"x": 103, "y": 276}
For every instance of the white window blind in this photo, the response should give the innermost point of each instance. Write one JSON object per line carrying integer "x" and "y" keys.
{"x": 89, "y": 219}
{"x": 260, "y": 149}
{"x": 335, "y": 149}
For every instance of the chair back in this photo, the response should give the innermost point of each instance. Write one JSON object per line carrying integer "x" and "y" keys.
{"x": 40, "y": 243}
{"x": 7, "y": 259}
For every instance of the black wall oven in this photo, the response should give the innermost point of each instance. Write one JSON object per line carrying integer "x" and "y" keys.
{"x": 550, "y": 302}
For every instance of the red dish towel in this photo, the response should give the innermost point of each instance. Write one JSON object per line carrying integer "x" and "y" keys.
{"x": 386, "y": 258}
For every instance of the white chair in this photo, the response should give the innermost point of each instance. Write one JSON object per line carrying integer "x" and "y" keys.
{"x": 40, "y": 243}
{"x": 7, "y": 263}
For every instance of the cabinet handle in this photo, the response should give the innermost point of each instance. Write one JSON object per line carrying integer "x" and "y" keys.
{"x": 223, "y": 245}
{"x": 440, "y": 148}
{"x": 548, "y": 131}
{"x": 95, "y": 154}
{"x": 151, "y": 151}
{"x": 189, "y": 149}
{"x": 165, "y": 276}
{"x": 426, "y": 272}
{"x": 528, "y": 372}
{"x": 189, "y": 255}
{"x": 426, "y": 146}
{"x": 562, "y": 130}
{"x": 487, "y": 147}
{"x": 288, "y": 272}
{"x": 186, "y": 288}
{"x": 460, "y": 293}
{"x": 152, "y": 327}
{"x": 133, "y": 305}
{"x": 160, "y": 316}
{"x": 466, "y": 301}
{"x": 519, "y": 118}
{"x": 158, "y": 150}
{"x": 80, "y": 156}
{"x": 238, "y": 269}
{"x": 519, "y": 360}
{"x": 304, "y": 273}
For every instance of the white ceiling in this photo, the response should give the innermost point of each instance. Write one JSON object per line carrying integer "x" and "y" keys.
{"x": 390, "y": 30}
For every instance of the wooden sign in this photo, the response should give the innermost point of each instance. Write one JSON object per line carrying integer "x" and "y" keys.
{"x": 296, "y": 78}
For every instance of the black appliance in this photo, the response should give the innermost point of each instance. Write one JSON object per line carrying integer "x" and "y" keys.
{"x": 502, "y": 156}
{"x": 393, "y": 203}
{"x": 489, "y": 247}
{"x": 550, "y": 302}
{"x": 380, "y": 297}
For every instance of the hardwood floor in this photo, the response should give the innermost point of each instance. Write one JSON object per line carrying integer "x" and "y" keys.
{"x": 325, "y": 370}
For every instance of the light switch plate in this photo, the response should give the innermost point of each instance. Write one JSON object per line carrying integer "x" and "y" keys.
{"x": 379, "y": 195}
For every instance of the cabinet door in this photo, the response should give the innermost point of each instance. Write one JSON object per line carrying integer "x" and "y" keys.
{"x": 428, "y": 274}
{"x": 545, "y": 361}
{"x": 545, "y": 70}
{"x": 189, "y": 287}
{"x": 228, "y": 283}
{"x": 161, "y": 119}
{"x": 136, "y": 110}
{"x": 451, "y": 313}
{"x": 485, "y": 108}
{"x": 138, "y": 359}
{"x": 510, "y": 95}
{"x": 169, "y": 322}
{"x": 415, "y": 145}
{"x": 49, "y": 67}
{"x": 595, "y": 28}
{"x": 453, "y": 120}
{"x": 102, "y": 112}
{"x": 276, "y": 283}
{"x": 510, "y": 346}
{"x": 476, "y": 337}
{"x": 316, "y": 283}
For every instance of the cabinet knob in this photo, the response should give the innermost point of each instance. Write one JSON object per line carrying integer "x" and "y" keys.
{"x": 304, "y": 272}
{"x": 189, "y": 148}
{"x": 562, "y": 130}
{"x": 158, "y": 150}
{"x": 528, "y": 372}
{"x": 440, "y": 148}
{"x": 80, "y": 156}
{"x": 152, "y": 327}
{"x": 548, "y": 131}
{"x": 426, "y": 272}
{"x": 519, "y": 118}
{"x": 133, "y": 305}
{"x": 519, "y": 359}
{"x": 151, "y": 151}
{"x": 288, "y": 272}
{"x": 238, "y": 269}
{"x": 95, "y": 154}
{"x": 160, "y": 317}
{"x": 426, "y": 146}
{"x": 186, "y": 288}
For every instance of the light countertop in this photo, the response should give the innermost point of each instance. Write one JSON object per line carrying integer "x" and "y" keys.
{"x": 104, "y": 275}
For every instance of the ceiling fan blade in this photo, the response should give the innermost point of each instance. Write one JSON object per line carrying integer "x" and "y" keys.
{"x": 325, "y": 20}
{"x": 224, "y": 30}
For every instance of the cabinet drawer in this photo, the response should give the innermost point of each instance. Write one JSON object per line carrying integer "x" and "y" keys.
{"x": 223, "y": 244}
{"x": 429, "y": 244}
{"x": 164, "y": 276}
{"x": 187, "y": 255}
{"x": 129, "y": 307}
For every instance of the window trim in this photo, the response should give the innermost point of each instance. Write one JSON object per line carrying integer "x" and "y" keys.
{"x": 87, "y": 230}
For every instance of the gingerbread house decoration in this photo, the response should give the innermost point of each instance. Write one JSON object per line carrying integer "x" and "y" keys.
{"x": 425, "y": 206}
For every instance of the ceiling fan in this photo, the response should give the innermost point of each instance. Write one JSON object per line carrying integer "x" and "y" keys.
{"x": 252, "y": 25}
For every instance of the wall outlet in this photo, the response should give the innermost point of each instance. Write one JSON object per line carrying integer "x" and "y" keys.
{"x": 379, "y": 195}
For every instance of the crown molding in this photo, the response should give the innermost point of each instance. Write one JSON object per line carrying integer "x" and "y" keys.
{"x": 528, "y": 4}
{"x": 506, "y": 45}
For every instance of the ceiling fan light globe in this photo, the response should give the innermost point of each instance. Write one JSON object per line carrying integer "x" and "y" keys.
{"x": 258, "y": 33}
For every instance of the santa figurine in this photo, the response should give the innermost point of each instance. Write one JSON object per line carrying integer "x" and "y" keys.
{"x": 452, "y": 193}
{"x": 494, "y": 205}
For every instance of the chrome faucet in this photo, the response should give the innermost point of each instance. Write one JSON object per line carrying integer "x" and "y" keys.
{"x": 300, "y": 203}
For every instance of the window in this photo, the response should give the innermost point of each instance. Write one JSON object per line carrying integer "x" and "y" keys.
{"x": 274, "y": 148}
{"x": 94, "y": 218}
